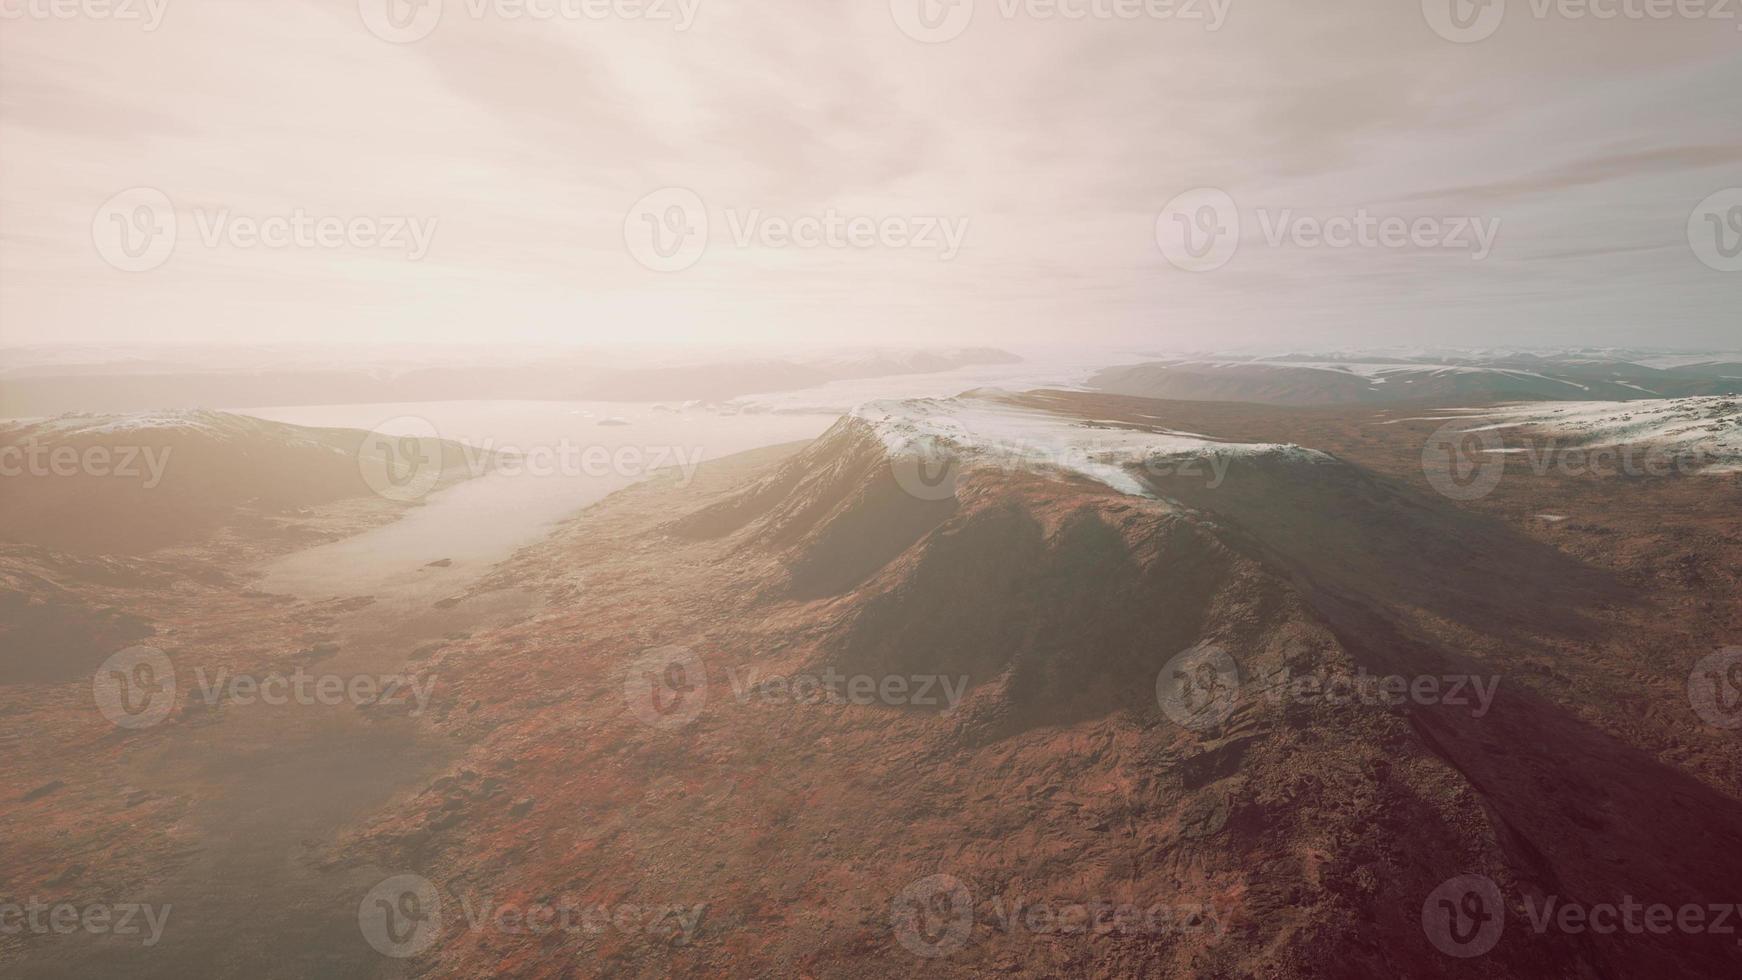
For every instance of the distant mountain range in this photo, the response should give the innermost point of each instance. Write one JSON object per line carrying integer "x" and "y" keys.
{"x": 1467, "y": 377}
{"x": 52, "y": 382}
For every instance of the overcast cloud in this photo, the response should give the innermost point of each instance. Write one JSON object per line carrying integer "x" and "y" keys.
{"x": 520, "y": 146}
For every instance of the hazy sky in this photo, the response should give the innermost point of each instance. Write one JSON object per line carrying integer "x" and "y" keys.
{"x": 1030, "y": 155}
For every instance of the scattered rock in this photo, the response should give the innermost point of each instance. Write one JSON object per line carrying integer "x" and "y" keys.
{"x": 67, "y": 876}
{"x": 319, "y": 651}
{"x": 446, "y": 820}
{"x": 41, "y": 791}
{"x": 427, "y": 650}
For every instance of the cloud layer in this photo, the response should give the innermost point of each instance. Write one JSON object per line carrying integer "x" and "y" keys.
{"x": 1057, "y": 141}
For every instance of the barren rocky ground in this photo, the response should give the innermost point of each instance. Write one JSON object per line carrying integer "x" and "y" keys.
{"x": 630, "y": 765}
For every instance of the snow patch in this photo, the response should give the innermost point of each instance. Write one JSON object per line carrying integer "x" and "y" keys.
{"x": 1709, "y": 425}
{"x": 992, "y": 430}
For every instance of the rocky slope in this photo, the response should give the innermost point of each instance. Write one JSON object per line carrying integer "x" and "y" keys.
{"x": 123, "y": 484}
{"x": 1134, "y": 656}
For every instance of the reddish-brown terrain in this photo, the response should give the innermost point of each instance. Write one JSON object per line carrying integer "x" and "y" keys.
{"x": 1311, "y": 835}
{"x": 599, "y": 761}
